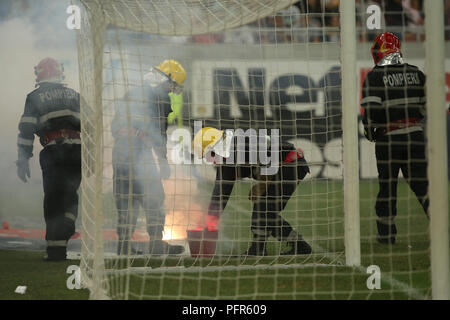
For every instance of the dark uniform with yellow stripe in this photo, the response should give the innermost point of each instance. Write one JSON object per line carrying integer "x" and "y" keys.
{"x": 139, "y": 128}
{"x": 393, "y": 98}
{"x": 269, "y": 195}
{"x": 52, "y": 112}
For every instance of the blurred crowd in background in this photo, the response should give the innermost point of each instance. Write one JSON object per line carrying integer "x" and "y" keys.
{"x": 317, "y": 21}
{"x": 313, "y": 21}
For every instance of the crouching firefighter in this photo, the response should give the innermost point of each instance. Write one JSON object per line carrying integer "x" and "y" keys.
{"x": 52, "y": 112}
{"x": 235, "y": 159}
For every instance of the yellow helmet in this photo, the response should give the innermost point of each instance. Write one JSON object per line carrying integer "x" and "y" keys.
{"x": 205, "y": 140}
{"x": 174, "y": 70}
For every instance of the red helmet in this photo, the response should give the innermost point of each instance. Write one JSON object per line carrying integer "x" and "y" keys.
{"x": 386, "y": 43}
{"x": 49, "y": 70}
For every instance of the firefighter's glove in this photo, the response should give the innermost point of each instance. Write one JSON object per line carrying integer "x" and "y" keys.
{"x": 258, "y": 191}
{"x": 369, "y": 133}
{"x": 23, "y": 169}
{"x": 176, "y": 104}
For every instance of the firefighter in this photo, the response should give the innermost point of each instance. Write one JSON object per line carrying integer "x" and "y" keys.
{"x": 270, "y": 193}
{"x": 139, "y": 129}
{"x": 393, "y": 101}
{"x": 52, "y": 112}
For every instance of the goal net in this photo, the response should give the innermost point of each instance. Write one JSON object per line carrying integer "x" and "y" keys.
{"x": 260, "y": 70}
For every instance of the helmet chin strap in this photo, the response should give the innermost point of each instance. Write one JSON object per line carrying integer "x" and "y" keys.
{"x": 391, "y": 59}
{"x": 50, "y": 80}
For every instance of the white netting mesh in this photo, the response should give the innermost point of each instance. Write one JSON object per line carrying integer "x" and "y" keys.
{"x": 249, "y": 64}
{"x": 187, "y": 17}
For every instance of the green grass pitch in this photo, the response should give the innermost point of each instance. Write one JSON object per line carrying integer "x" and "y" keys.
{"x": 316, "y": 210}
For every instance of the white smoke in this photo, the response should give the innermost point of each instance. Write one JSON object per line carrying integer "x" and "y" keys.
{"x": 26, "y": 37}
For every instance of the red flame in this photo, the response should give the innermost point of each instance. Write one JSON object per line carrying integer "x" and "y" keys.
{"x": 212, "y": 222}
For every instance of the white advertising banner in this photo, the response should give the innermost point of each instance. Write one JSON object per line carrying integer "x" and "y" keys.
{"x": 306, "y": 93}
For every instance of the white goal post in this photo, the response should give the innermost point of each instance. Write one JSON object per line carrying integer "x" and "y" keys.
{"x": 350, "y": 134}
{"x": 437, "y": 151}
{"x": 100, "y": 46}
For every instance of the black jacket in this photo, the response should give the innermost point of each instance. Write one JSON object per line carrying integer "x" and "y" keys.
{"x": 391, "y": 94}
{"x": 228, "y": 174}
{"x": 50, "y": 107}
{"x": 144, "y": 111}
